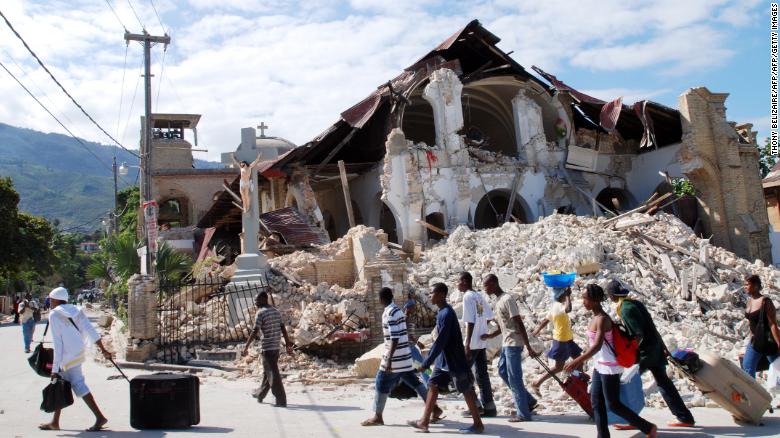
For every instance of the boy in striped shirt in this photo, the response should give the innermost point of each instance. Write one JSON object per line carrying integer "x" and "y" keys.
{"x": 396, "y": 362}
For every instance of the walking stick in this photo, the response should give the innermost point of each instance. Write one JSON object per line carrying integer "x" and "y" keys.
{"x": 118, "y": 369}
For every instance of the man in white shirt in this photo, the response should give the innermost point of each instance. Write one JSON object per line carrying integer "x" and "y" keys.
{"x": 27, "y": 309}
{"x": 476, "y": 314}
{"x": 70, "y": 330}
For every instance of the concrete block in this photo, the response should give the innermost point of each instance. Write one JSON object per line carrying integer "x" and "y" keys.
{"x": 368, "y": 364}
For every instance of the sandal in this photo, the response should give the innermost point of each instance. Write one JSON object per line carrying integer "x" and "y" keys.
{"x": 47, "y": 426}
{"x": 471, "y": 430}
{"x": 437, "y": 416}
{"x": 624, "y": 427}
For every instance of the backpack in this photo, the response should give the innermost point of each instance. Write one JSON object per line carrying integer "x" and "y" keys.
{"x": 625, "y": 346}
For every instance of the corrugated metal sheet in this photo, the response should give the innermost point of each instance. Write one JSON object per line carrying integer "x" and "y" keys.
{"x": 293, "y": 227}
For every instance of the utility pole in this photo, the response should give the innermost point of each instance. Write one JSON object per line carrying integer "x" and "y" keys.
{"x": 146, "y": 145}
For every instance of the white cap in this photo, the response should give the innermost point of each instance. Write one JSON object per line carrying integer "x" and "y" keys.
{"x": 59, "y": 293}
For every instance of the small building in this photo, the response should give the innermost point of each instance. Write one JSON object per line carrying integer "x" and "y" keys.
{"x": 89, "y": 247}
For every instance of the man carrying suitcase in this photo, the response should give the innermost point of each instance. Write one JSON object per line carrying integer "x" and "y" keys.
{"x": 268, "y": 321}
{"x": 652, "y": 352}
{"x": 69, "y": 328}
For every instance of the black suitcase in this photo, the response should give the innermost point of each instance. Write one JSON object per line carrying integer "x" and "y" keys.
{"x": 164, "y": 401}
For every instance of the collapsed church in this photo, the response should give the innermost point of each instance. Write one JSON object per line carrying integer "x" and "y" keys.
{"x": 466, "y": 135}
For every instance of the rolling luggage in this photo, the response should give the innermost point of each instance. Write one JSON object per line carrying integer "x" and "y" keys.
{"x": 575, "y": 385}
{"x": 164, "y": 401}
{"x": 727, "y": 385}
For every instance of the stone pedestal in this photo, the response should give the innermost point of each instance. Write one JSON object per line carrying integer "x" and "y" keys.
{"x": 240, "y": 297}
{"x": 143, "y": 320}
{"x": 387, "y": 270}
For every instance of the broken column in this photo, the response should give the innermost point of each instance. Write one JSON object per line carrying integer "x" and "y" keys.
{"x": 529, "y": 130}
{"x": 142, "y": 318}
{"x": 402, "y": 188}
{"x": 386, "y": 270}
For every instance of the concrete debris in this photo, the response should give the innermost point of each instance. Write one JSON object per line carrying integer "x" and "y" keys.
{"x": 712, "y": 320}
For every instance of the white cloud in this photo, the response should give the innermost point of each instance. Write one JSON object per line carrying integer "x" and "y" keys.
{"x": 297, "y": 64}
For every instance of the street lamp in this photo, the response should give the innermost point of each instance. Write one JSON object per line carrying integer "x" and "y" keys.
{"x": 124, "y": 168}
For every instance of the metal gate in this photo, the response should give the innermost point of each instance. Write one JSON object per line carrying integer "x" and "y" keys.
{"x": 204, "y": 314}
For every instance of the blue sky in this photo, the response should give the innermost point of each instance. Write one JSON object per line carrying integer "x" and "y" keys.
{"x": 297, "y": 64}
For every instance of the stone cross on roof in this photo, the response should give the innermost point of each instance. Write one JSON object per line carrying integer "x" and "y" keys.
{"x": 262, "y": 127}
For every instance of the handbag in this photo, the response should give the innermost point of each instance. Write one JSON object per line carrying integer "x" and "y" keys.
{"x": 762, "y": 338}
{"x": 42, "y": 359}
{"x": 56, "y": 395}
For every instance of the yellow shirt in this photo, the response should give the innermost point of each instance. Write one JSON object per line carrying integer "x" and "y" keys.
{"x": 560, "y": 322}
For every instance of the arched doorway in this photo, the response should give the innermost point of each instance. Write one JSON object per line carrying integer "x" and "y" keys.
{"x": 616, "y": 200}
{"x": 437, "y": 220}
{"x": 388, "y": 224}
{"x": 492, "y": 208}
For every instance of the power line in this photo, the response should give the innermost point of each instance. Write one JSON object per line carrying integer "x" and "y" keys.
{"x": 158, "y": 15}
{"x": 65, "y": 230}
{"x": 132, "y": 102}
{"x": 84, "y": 145}
{"x": 122, "y": 91}
{"x": 136, "y": 15}
{"x": 61, "y": 86}
{"x": 159, "y": 81}
{"x": 116, "y": 15}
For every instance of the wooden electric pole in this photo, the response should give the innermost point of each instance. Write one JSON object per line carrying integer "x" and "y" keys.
{"x": 146, "y": 144}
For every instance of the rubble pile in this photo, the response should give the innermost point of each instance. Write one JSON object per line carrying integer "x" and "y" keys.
{"x": 689, "y": 285}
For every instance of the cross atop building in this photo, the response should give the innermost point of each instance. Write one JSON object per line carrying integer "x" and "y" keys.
{"x": 262, "y": 127}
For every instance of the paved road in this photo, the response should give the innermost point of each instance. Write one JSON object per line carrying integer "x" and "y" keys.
{"x": 316, "y": 411}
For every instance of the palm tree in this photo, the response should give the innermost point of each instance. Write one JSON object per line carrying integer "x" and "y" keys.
{"x": 171, "y": 265}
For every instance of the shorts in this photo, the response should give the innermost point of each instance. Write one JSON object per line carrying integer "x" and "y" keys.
{"x": 75, "y": 377}
{"x": 562, "y": 351}
{"x": 463, "y": 380}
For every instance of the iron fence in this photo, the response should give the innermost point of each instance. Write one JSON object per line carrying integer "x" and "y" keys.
{"x": 204, "y": 314}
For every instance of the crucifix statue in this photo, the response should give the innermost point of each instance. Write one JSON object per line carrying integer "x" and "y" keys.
{"x": 262, "y": 127}
{"x": 251, "y": 264}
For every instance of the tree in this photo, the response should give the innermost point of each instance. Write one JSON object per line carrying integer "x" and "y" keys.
{"x": 128, "y": 200}
{"x": 9, "y": 201}
{"x": 171, "y": 265}
{"x": 766, "y": 161}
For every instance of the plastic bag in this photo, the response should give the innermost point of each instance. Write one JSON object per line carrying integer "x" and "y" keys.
{"x": 628, "y": 374}
{"x": 632, "y": 395}
{"x": 773, "y": 377}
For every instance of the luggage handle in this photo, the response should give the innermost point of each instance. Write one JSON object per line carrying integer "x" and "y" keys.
{"x": 118, "y": 369}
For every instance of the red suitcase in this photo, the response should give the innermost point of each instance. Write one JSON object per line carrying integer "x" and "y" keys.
{"x": 576, "y": 385}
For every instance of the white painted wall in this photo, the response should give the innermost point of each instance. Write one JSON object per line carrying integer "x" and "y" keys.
{"x": 643, "y": 177}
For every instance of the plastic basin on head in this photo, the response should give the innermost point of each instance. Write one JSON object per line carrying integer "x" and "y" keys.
{"x": 559, "y": 280}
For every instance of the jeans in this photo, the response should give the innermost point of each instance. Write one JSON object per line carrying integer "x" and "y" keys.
{"x": 385, "y": 382}
{"x": 28, "y": 328}
{"x": 480, "y": 363}
{"x": 605, "y": 391}
{"x": 750, "y": 361}
{"x": 272, "y": 379}
{"x": 510, "y": 368}
{"x": 670, "y": 394}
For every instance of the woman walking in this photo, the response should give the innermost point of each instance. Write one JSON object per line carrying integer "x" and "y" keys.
{"x": 605, "y": 389}
{"x": 762, "y": 316}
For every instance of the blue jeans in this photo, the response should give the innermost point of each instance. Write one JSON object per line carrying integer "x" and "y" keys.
{"x": 28, "y": 328}
{"x": 605, "y": 391}
{"x": 750, "y": 361}
{"x": 510, "y": 368}
{"x": 480, "y": 363}
{"x": 385, "y": 382}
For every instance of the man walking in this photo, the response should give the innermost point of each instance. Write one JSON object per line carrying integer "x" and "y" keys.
{"x": 652, "y": 352}
{"x": 396, "y": 361}
{"x": 27, "y": 308}
{"x": 476, "y": 314}
{"x": 268, "y": 321}
{"x": 510, "y": 363}
{"x": 70, "y": 327}
{"x": 451, "y": 364}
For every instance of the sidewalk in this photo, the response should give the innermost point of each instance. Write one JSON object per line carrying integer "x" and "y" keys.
{"x": 313, "y": 411}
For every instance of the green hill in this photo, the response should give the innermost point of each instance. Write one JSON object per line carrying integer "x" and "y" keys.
{"x": 58, "y": 179}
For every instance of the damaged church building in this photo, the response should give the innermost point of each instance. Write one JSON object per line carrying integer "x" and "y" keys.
{"x": 467, "y": 136}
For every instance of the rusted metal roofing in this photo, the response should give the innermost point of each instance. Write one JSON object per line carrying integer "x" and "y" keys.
{"x": 293, "y": 227}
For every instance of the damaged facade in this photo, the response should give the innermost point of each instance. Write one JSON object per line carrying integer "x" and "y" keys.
{"x": 466, "y": 136}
